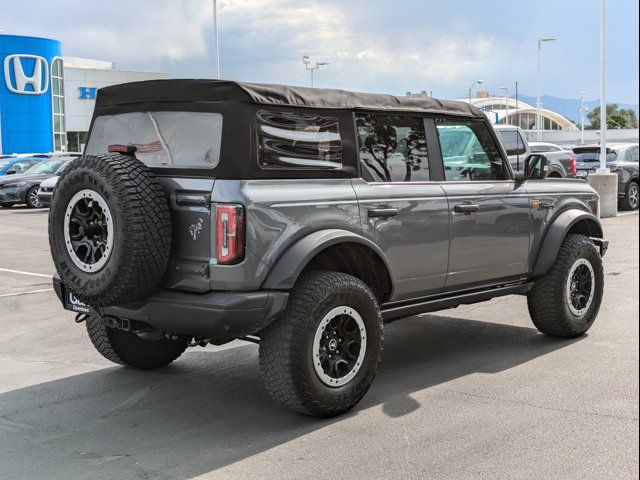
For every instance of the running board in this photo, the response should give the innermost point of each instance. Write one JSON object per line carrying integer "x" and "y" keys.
{"x": 397, "y": 310}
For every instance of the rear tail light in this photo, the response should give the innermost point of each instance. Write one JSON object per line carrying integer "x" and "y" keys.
{"x": 229, "y": 233}
{"x": 124, "y": 149}
{"x": 574, "y": 167}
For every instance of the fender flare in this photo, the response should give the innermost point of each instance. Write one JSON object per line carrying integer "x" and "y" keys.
{"x": 289, "y": 266}
{"x": 557, "y": 231}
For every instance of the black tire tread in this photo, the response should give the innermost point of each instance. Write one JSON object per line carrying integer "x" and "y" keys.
{"x": 106, "y": 342}
{"x": 146, "y": 221}
{"x": 545, "y": 300}
{"x": 281, "y": 351}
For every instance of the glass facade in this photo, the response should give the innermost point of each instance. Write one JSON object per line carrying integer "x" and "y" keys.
{"x": 57, "y": 99}
{"x": 527, "y": 121}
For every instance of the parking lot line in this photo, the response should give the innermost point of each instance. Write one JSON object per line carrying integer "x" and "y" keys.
{"x": 26, "y": 293}
{"x": 24, "y": 273}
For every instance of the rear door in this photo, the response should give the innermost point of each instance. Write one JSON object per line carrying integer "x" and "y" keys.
{"x": 489, "y": 213}
{"x": 401, "y": 209}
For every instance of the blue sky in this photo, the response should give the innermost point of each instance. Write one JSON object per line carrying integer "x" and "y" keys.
{"x": 372, "y": 45}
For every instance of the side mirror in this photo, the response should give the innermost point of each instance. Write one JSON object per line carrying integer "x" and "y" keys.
{"x": 10, "y": 172}
{"x": 536, "y": 167}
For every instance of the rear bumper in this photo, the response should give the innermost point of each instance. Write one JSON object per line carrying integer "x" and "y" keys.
{"x": 219, "y": 316}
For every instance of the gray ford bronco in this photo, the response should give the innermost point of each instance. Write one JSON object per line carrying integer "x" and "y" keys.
{"x": 303, "y": 220}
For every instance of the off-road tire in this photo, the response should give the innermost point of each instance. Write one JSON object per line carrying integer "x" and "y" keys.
{"x": 547, "y": 301}
{"x": 29, "y": 197}
{"x": 626, "y": 203}
{"x": 127, "y": 348}
{"x": 141, "y": 223}
{"x": 286, "y": 345}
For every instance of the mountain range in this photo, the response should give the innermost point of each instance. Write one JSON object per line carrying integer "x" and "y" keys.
{"x": 570, "y": 107}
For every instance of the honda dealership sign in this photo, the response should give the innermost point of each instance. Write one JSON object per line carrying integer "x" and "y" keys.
{"x": 34, "y": 83}
{"x": 26, "y": 103}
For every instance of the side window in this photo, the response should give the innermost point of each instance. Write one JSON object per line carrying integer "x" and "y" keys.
{"x": 468, "y": 151}
{"x": 294, "y": 140}
{"x": 514, "y": 144}
{"x": 393, "y": 148}
{"x": 633, "y": 152}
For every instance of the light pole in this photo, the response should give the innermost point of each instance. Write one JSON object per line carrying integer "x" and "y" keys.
{"x": 215, "y": 38}
{"x": 307, "y": 66}
{"x": 546, "y": 38}
{"x": 506, "y": 103}
{"x": 603, "y": 100}
{"x": 583, "y": 109}
{"x": 479, "y": 82}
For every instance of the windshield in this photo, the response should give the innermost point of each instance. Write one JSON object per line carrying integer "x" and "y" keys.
{"x": 50, "y": 166}
{"x": 4, "y": 163}
{"x": 185, "y": 139}
{"x": 455, "y": 140}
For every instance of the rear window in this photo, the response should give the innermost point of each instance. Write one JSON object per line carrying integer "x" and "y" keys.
{"x": 512, "y": 141}
{"x": 179, "y": 139}
{"x": 294, "y": 140}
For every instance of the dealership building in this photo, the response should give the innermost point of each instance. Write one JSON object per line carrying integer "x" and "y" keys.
{"x": 46, "y": 98}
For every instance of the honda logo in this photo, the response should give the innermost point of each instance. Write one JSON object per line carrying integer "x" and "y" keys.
{"x": 38, "y": 79}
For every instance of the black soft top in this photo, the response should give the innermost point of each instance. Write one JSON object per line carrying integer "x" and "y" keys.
{"x": 189, "y": 91}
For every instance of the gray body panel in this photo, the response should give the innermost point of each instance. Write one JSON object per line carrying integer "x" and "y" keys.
{"x": 492, "y": 242}
{"x": 415, "y": 241}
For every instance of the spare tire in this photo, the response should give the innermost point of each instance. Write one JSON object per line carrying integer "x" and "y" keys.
{"x": 109, "y": 230}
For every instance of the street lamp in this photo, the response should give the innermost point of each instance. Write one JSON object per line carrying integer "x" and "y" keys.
{"x": 479, "y": 82}
{"x": 583, "y": 109}
{"x": 546, "y": 38}
{"x": 506, "y": 103}
{"x": 307, "y": 66}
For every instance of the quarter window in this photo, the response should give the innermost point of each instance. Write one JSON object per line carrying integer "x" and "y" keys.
{"x": 295, "y": 140}
{"x": 393, "y": 148}
{"x": 468, "y": 151}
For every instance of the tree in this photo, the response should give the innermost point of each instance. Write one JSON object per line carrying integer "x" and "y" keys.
{"x": 616, "y": 117}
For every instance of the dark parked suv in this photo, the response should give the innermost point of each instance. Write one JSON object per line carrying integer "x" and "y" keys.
{"x": 303, "y": 219}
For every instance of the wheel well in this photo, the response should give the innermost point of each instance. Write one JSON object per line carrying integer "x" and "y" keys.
{"x": 357, "y": 260}
{"x": 586, "y": 227}
{"x": 554, "y": 175}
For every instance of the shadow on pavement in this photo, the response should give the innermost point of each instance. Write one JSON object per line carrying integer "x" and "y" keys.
{"x": 209, "y": 409}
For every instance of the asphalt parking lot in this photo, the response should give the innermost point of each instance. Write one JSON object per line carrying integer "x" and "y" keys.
{"x": 474, "y": 392}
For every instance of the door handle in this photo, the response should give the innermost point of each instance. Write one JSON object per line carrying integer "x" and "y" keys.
{"x": 466, "y": 208}
{"x": 382, "y": 212}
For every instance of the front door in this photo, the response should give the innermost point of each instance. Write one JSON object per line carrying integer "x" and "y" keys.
{"x": 489, "y": 213}
{"x": 401, "y": 209}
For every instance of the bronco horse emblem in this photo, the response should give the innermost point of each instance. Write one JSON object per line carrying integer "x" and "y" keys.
{"x": 195, "y": 229}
